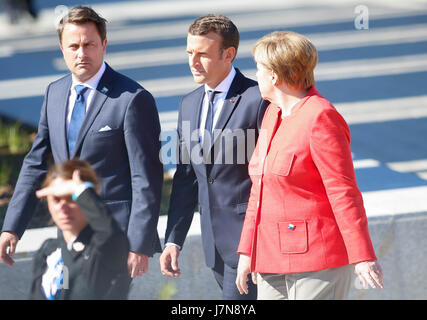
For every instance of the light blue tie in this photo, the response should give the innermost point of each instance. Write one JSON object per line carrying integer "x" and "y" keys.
{"x": 77, "y": 117}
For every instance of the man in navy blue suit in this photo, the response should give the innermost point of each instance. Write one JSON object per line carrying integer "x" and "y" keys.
{"x": 224, "y": 114}
{"x": 103, "y": 117}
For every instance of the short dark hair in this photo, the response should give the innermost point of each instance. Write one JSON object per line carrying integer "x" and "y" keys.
{"x": 219, "y": 24}
{"x": 81, "y": 15}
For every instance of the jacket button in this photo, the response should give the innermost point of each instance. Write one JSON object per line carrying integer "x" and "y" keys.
{"x": 210, "y": 180}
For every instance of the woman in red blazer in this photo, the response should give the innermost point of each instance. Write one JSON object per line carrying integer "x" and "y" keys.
{"x": 305, "y": 229}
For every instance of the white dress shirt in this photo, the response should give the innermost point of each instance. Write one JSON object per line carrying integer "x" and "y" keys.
{"x": 92, "y": 84}
{"x": 223, "y": 88}
{"x": 287, "y": 113}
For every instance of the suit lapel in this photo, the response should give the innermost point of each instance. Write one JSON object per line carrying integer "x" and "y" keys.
{"x": 60, "y": 120}
{"x": 230, "y": 103}
{"x": 195, "y": 117}
{"x": 99, "y": 97}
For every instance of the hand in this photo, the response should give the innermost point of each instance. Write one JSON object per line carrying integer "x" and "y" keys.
{"x": 67, "y": 188}
{"x": 137, "y": 264}
{"x": 370, "y": 272}
{"x": 8, "y": 240}
{"x": 169, "y": 261}
{"x": 243, "y": 270}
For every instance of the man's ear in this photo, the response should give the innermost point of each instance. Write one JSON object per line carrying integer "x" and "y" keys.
{"x": 229, "y": 54}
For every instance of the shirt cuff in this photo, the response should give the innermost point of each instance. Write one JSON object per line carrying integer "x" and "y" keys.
{"x": 172, "y": 244}
{"x": 82, "y": 187}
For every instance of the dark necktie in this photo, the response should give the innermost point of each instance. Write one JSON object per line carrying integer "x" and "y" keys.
{"x": 77, "y": 117}
{"x": 208, "y": 136}
{"x": 209, "y": 118}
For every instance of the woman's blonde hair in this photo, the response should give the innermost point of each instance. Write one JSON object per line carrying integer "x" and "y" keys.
{"x": 290, "y": 55}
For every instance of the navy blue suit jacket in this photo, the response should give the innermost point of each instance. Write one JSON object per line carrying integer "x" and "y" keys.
{"x": 126, "y": 158}
{"x": 221, "y": 188}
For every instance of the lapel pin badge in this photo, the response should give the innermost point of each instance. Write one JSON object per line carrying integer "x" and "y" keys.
{"x": 104, "y": 90}
{"x": 291, "y": 226}
{"x": 78, "y": 246}
{"x": 232, "y": 100}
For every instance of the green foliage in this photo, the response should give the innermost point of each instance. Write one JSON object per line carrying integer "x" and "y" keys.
{"x": 18, "y": 141}
{"x": 5, "y": 172}
{"x": 15, "y": 142}
{"x": 167, "y": 291}
{"x": 3, "y": 135}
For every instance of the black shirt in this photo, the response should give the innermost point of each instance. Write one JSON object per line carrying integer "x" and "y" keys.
{"x": 96, "y": 267}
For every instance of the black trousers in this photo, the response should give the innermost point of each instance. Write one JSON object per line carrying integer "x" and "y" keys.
{"x": 225, "y": 276}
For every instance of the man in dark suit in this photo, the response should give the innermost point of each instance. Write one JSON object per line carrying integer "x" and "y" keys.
{"x": 224, "y": 115}
{"x": 109, "y": 120}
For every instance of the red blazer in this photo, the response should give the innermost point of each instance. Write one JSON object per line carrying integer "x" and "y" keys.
{"x": 305, "y": 211}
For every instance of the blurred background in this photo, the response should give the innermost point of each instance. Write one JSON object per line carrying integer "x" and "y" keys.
{"x": 372, "y": 66}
